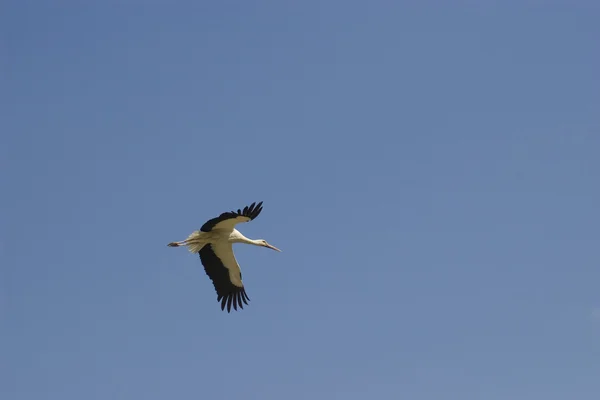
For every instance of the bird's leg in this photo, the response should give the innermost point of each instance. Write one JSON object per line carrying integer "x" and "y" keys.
{"x": 195, "y": 242}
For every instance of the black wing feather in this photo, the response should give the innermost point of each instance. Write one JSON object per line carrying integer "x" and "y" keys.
{"x": 227, "y": 292}
{"x": 229, "y": 298}
{"x": 251, "y": 212}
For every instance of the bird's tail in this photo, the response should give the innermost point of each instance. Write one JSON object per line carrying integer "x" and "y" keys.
{"x": 195, "y": 247}
{"x": 194, "y": 242}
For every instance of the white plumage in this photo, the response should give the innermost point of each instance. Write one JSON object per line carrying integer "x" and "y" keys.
{"x": 214, "y": 242}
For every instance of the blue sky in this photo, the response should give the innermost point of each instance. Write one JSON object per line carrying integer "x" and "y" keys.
{"x": 429, "y": 169}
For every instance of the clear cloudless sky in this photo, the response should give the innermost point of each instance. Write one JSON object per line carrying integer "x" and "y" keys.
{"x": 429, "y": 169}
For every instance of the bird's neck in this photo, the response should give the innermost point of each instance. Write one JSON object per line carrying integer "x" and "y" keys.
{"x": 237, "y": 237}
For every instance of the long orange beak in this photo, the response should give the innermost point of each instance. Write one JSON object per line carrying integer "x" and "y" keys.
{"x": 272, "y": 247}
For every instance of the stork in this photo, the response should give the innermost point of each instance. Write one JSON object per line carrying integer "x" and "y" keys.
{"x": 214, "y": 242}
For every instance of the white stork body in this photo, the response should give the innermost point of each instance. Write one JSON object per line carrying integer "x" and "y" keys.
{"x": 214, "y": 242}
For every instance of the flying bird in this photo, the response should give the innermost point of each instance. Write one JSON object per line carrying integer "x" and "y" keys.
{"x": 214, "y": 242}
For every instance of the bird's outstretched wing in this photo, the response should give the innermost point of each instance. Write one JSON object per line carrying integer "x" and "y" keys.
{"x": 223, "y": 270}
{"x": 228, "y": 220}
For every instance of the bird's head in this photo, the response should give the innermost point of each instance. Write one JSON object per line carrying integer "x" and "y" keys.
{"x": 264, "y": 243}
